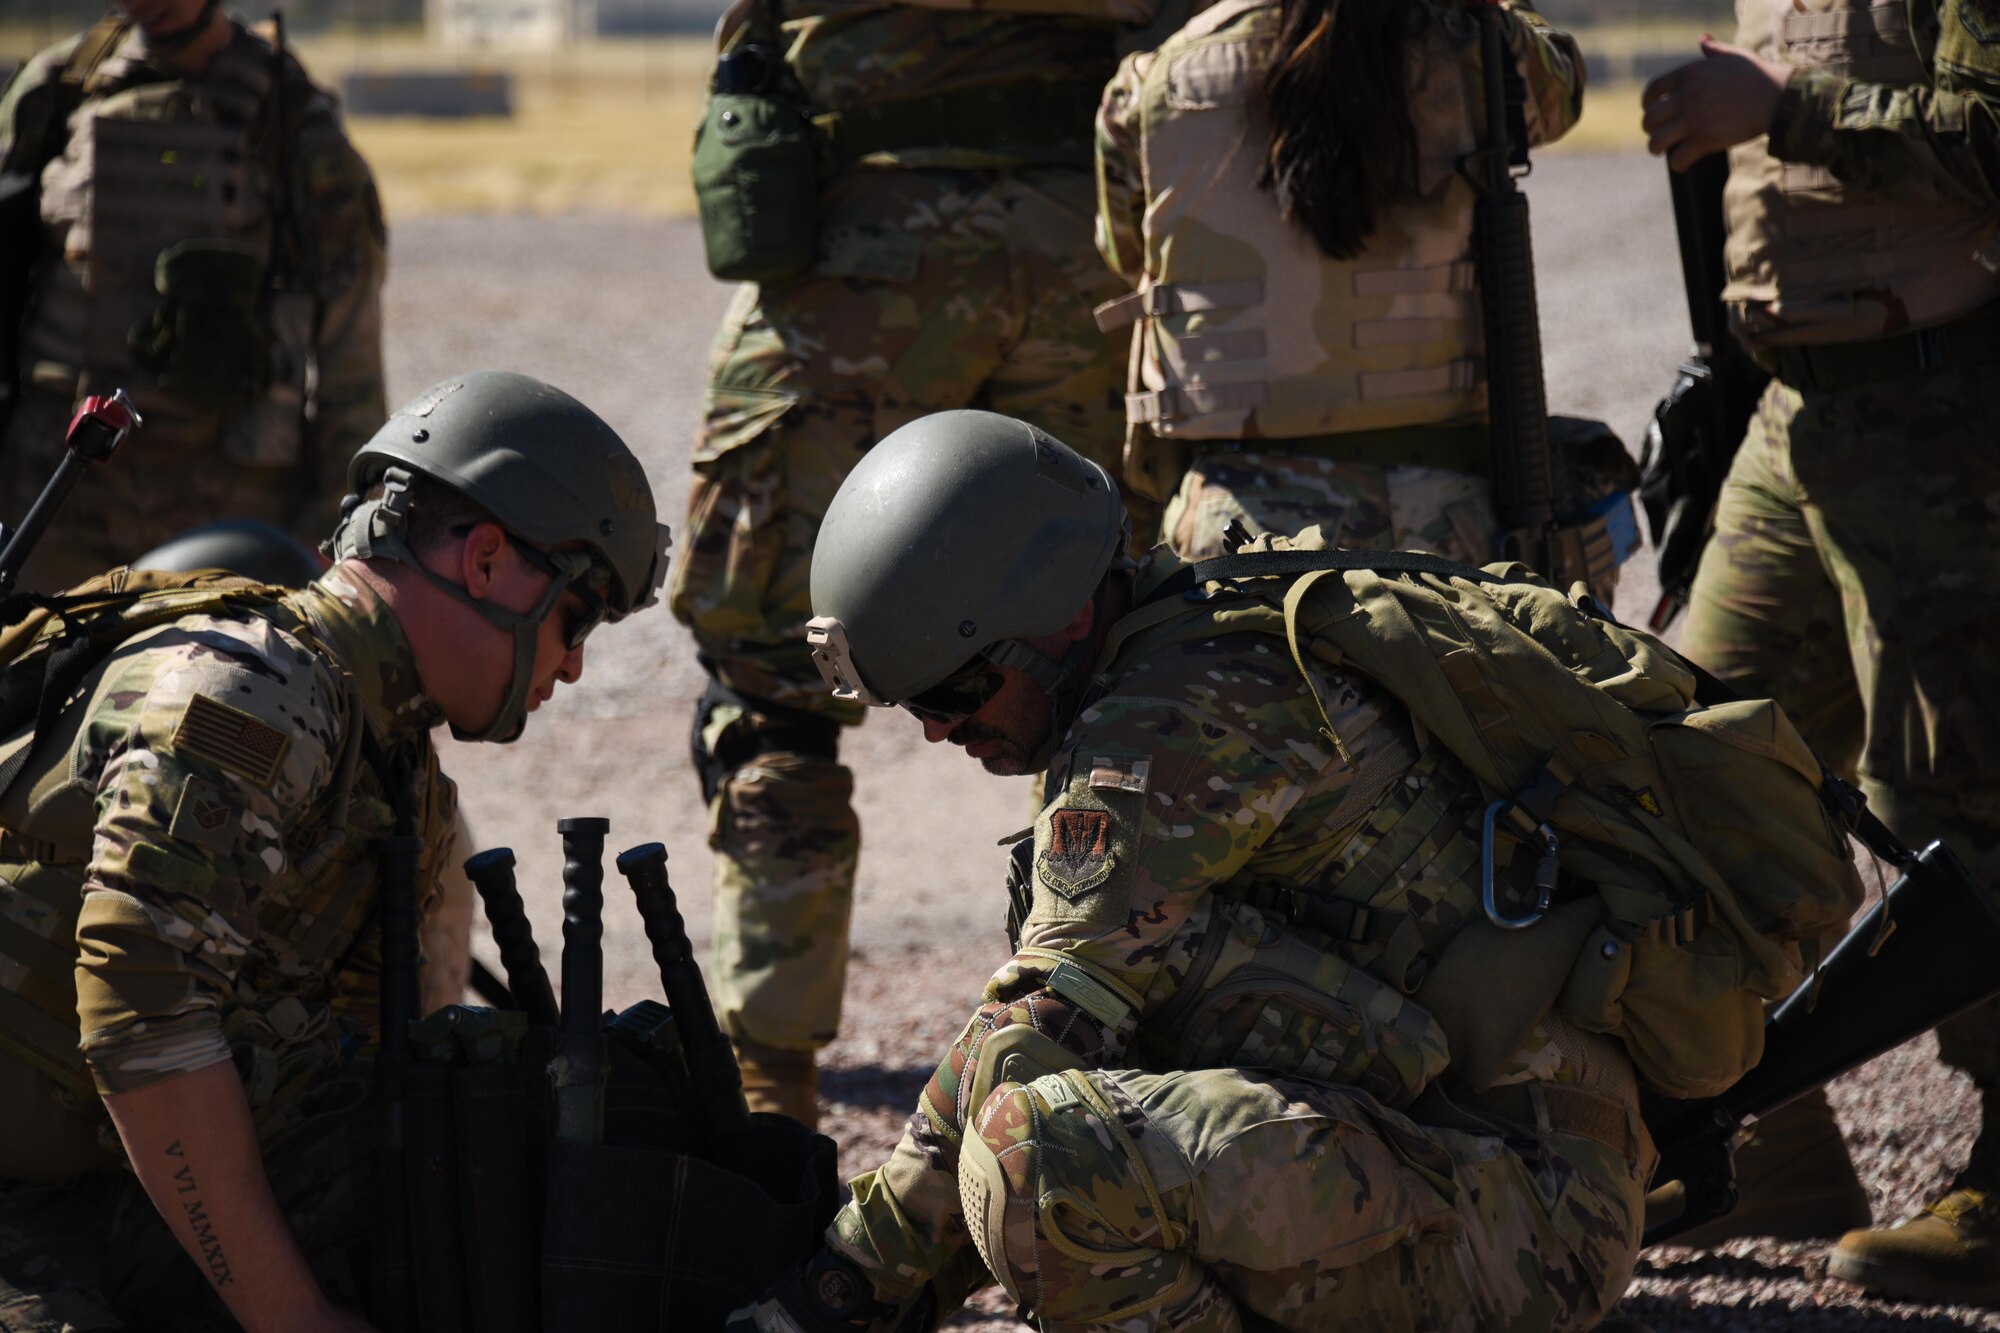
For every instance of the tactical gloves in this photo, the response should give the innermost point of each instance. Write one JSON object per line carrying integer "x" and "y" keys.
{"x": 829, "y": 1293}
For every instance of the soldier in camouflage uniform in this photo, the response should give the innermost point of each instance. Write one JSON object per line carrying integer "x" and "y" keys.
{"x": 954, "y": 268}
{"x": 1853, "y": 573}
{"x": 1299, "y": 244}
{"x": 209, "y": 241}
{"x": 1180, "y": 1106}
{"x": 188, "y": 961}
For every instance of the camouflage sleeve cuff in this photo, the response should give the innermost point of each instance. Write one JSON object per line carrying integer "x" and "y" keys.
{"x": 147, "y": 990}
{"x": 141, "y": 1054}
{"x": 1802, "y": 126}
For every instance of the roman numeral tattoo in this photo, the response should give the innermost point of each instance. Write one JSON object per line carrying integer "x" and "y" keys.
{"x": 197, "y": 1215}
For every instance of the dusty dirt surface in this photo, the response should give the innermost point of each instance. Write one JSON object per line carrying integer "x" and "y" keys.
{"x": 620, "y": 311}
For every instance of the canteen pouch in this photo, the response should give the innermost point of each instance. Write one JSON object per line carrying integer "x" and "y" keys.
{"x": 205, "y": 342}
{"x": 756, "y": 171}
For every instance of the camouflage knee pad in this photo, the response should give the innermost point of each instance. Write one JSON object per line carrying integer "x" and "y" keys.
{"x": 1066, "y": 1213}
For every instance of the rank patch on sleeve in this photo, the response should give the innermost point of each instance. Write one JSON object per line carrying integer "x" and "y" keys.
{"x": 238, "y": 741}
{"x": 203, "y": 817}
{"x": 1110, "y": 773}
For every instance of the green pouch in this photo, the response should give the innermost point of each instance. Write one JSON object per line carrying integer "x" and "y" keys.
{"x": 206, "y": 342}
{"x": 756, "y": 178}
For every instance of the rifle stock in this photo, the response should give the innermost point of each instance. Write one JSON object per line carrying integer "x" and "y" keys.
{"x": 1921, "y": 955}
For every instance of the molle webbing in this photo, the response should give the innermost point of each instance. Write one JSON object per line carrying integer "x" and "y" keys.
{"x": 1023, "y": 116}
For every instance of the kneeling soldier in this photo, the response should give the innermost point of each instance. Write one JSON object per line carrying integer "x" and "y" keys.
{"x": 188, "y": 894}
{"x": 1201, "y": 1094}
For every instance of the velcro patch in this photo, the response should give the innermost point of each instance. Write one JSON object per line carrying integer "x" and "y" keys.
{"x": 203, "y": 817}
{"x": 232, "y": 738}
{"x": 1112, "y": 774}
{"x": 1079, "y": 852}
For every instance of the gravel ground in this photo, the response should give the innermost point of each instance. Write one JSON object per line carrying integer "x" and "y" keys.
{"x": 620, "y": 310}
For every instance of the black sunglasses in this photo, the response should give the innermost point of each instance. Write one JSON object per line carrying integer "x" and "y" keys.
{"x": 959, "y": 695}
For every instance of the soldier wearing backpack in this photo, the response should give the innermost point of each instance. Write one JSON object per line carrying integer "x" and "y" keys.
{"x": 1360, "y": 906}
{"x": 189, "y": 958}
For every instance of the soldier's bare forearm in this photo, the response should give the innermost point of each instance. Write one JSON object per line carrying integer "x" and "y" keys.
{"x": 193, "y": 1146}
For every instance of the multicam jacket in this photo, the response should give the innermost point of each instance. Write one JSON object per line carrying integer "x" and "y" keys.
{"x": 183, "y": 880}
{"x": 1200, "y": 794}
{"x": 1873, "y": 206}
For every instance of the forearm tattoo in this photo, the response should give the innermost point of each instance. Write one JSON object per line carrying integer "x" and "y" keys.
{"x": 191, "y": 1203}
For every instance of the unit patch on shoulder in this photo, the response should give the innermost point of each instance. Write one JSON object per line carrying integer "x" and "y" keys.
{"x": 238, "y": 741}
{"x": 1086, "y": 840}
{"x": 203, "y": 817}
{"x": 1079, "y": 845}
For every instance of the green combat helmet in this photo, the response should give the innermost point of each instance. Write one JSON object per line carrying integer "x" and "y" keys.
{"x": 954, "y": 538}
{"x": 548, "y": 470}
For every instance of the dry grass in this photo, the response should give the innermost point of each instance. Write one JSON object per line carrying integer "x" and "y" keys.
{"x": 604, "y": 127}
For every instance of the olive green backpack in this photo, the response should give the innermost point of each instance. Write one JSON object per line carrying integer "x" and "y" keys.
{"x": 49, "y": 644}
{"x": 1711, "y": 842}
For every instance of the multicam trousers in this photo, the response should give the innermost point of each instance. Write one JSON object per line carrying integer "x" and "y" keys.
{"x": 1854, "y": 576}
{"x": 935, "y": 289}
{"x": 1220, "y": 1200}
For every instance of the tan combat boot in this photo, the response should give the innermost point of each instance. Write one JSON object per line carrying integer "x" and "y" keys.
{"x": 1949, "y": 1254}
{"x": 781, "y": 1081}
{"x": 1794, "y": 1179}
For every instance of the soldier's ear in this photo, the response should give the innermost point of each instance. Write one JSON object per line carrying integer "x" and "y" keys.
{"x": 480, "y": 557}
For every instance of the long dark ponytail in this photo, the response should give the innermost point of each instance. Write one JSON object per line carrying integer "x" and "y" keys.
{"x": 1334, "y": 99}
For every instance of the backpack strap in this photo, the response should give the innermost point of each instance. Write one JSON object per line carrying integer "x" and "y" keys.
{"x": 37, "y": 142}
{"x": 1272, "y": 564}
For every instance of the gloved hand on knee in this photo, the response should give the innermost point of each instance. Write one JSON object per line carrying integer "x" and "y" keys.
{"x": 829, "y": 1293}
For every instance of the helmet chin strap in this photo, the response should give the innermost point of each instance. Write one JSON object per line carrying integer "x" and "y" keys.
{"x": 1062, "y": 680}
{"x": 374, "y": 529}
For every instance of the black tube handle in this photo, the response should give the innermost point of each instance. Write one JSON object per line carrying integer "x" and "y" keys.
{"x": 492, "y": 873}
{"x": 583, "y": 924}
{"x": 579, "y": 1068}
{"x": 711, "y": 1061}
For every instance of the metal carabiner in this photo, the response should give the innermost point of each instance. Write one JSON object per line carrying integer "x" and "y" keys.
{"x": 1545, "y": 871}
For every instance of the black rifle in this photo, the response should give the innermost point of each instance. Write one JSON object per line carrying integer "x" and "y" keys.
{"x": 392, "y": 1277}
{"x": 1922, "y": 954}
{"x": 1503, "y": 248}
{"x": 431, "y": 1173}
{"x": 95, "y": 432}
{"x": 1697, "y": 427}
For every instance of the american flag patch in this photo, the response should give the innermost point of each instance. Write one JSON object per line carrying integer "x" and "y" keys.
{"x": 236, "y": 740}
